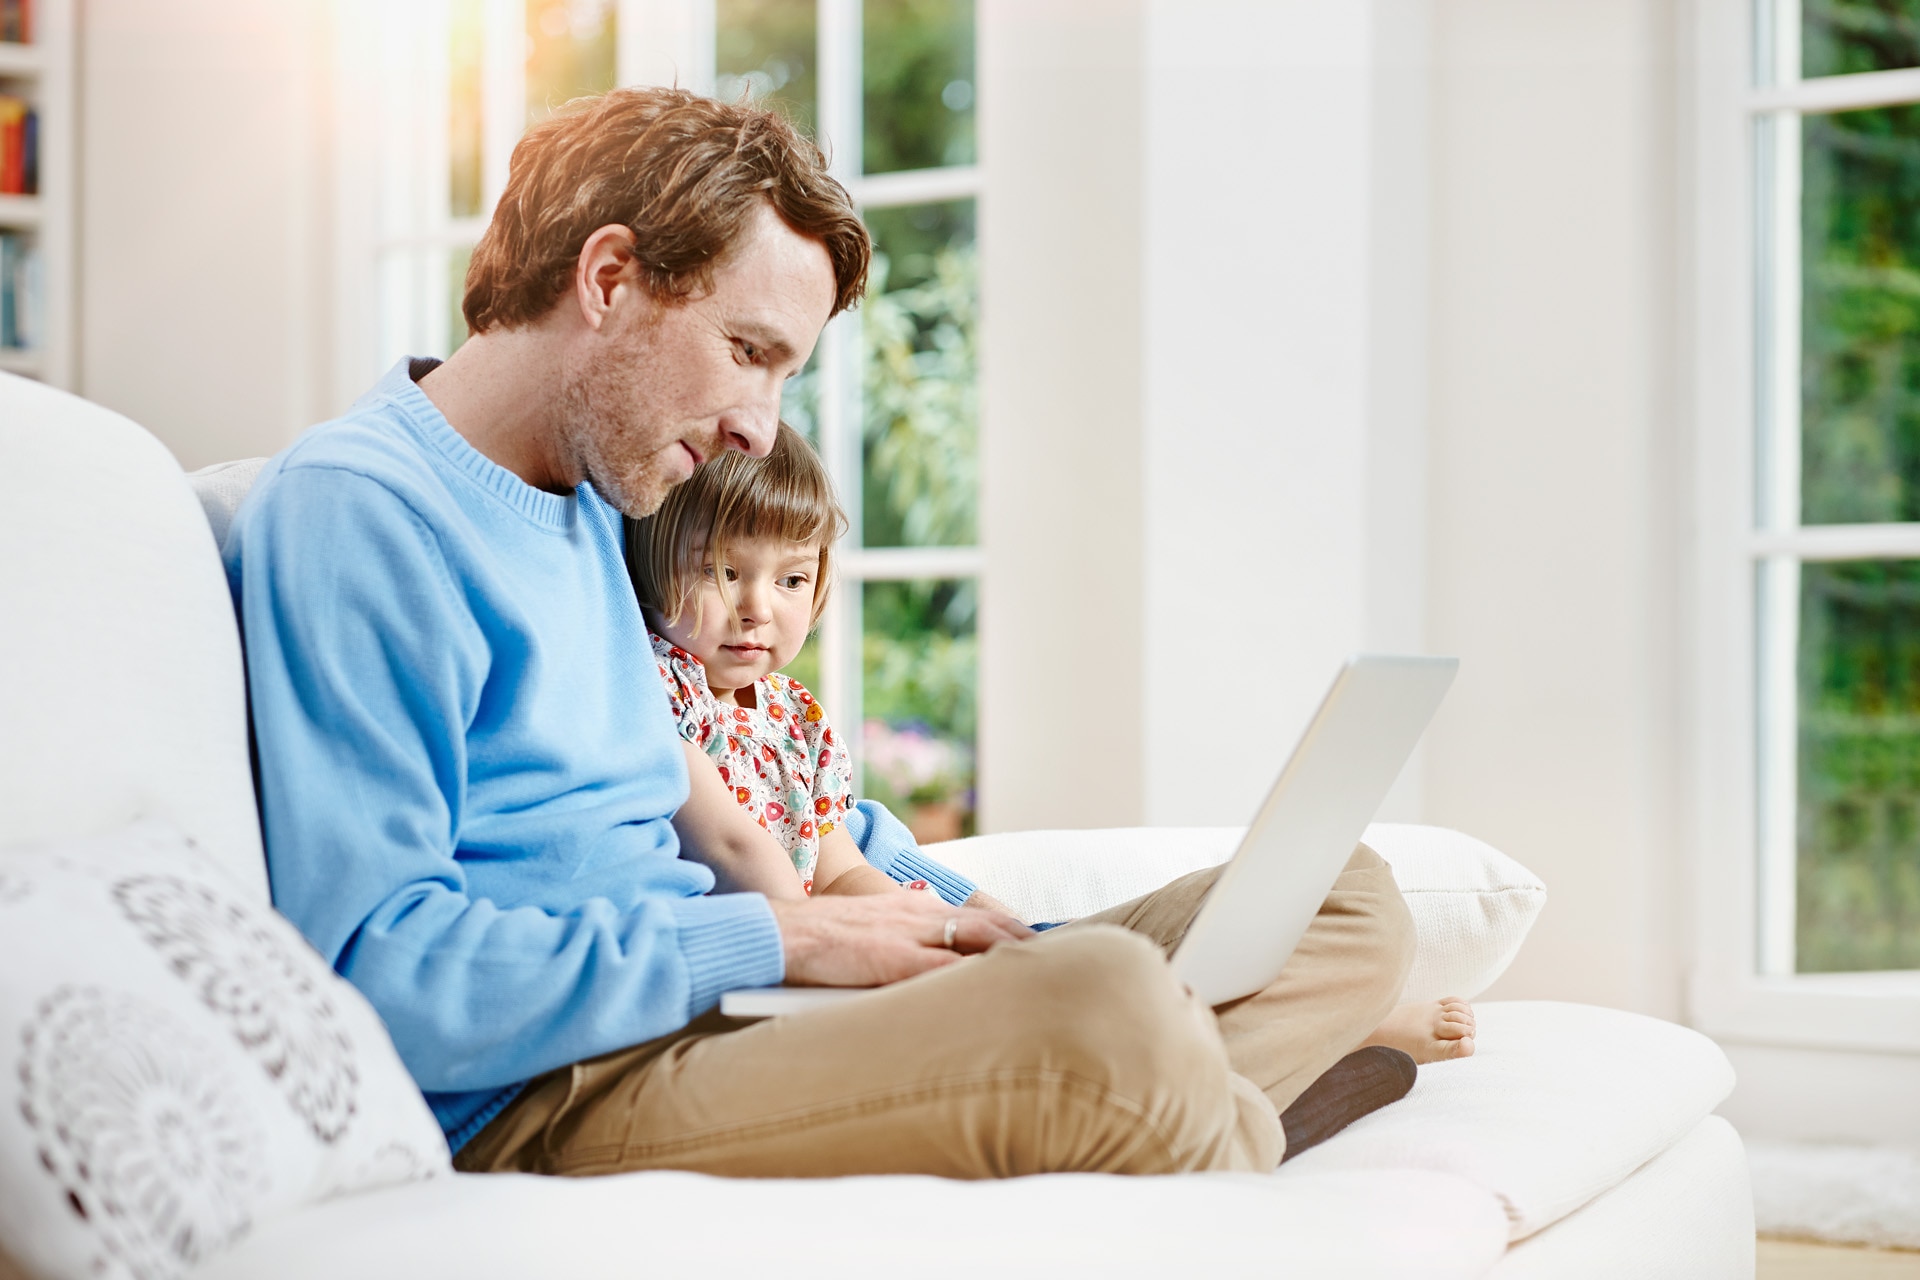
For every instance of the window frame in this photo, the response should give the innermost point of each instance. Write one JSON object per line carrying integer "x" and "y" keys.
{"x": 841, "y": 633}
{"x": 656, "y": 42}
{"x": 1741, "y": 987}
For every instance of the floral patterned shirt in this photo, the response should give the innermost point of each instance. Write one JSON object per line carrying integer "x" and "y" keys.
{"x": 780, "y": 756}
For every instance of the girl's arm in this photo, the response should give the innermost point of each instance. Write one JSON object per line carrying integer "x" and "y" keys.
{"x": 717, "y": 833}
{"x": 841, "y": 868}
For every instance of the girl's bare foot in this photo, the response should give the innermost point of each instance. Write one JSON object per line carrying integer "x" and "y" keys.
{"x": 1429, "y": 1030}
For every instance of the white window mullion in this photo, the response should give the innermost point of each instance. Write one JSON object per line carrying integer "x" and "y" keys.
{"x": 1780, "y": 288}
{"x": 837, "y": 40}
{"x": 426, "y": 273}
{"x": 839, "y": 440}
{"x": 1775, "y": 578}
{"x": 664, "y": 42}
{"x": 908, "y": 564}
{"x": 915, "y": 186}
{"x": 837, "y": 45}
{"x": 1841, "y": 542}
{"x": 503, "y": 94}
{"x": 1777, "y": 616}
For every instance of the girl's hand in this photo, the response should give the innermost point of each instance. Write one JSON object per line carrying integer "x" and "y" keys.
{"x": 842, "y": 870}
{"x": 984, "y": 901}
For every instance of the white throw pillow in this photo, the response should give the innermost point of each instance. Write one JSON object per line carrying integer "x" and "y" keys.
{"x": 176, "y": 1063}
{"x": 1472, "y": 905}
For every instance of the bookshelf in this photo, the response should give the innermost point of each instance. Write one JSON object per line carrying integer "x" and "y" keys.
{"x": 42, "y": 73}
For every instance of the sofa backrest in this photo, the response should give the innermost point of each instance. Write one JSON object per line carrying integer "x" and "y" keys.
{"x": 121, "y": 692}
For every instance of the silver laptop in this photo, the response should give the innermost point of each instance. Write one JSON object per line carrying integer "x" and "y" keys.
{"x": 1329, "y": 789}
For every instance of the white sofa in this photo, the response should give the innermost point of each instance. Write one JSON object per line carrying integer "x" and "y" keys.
{"x": 1577, "y": 1142}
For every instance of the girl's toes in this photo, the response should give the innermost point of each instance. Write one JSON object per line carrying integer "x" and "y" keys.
{"x": 1461, "y": 1048}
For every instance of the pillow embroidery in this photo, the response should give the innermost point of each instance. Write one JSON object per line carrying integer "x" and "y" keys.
{"x": 141, "y": 1127}
{"x": 177, "y": 1065}
{"x": 242, "y": 971}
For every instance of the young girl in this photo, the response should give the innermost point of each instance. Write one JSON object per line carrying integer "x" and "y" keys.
{"x": 732, "y": 573}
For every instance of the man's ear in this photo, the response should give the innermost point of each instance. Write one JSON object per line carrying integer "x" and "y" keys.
{"x": 606, "y": 265}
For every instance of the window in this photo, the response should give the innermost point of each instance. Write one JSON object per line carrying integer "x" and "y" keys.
{"x": 1809, "y": 607}
{"x": 890, "y": 398}
{"x": 1837, "y": 497}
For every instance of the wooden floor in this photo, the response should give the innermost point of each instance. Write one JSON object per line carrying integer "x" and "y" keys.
{"x": 1793, "y": 1260}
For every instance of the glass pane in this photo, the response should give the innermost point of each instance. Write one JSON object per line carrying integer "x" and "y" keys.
{"x": 921, "y": 397}
{"x": 1838, "y": 37}
{"x": 805, "y": 666}
{"x": 456, "y": 290}
{"x": 919, "y": 656}
{"x": 570, "y": 52}
{"x": 467, "y": 112}
{"x": 765, "y": 50}
{"x": 800, "y": 401}
{"x": 917, "y": 90}
{"x": 420, "y": 292}
{"x": 1858, "y": 879}
{"x": 1860, "y": 317}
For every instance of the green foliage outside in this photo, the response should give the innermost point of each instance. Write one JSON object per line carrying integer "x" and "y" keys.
{"x": 1858, "y": 881}
{"x": 1858, "y": 899}
{"x": 765, "y": 49}
{"x": 917, "y": 69}
{"x": 920, "y": 484}
{"x": 1841, "y": 37}
{"x": 921, "y": 393}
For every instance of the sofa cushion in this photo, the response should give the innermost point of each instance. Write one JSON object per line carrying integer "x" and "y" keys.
{"x": 179, "y": 1064}
{"x": 120, "y": 681}
{"x": 221, "y": 489}
{"x": 1558, "y": 1103}
{"x": 509, "y": 1226}
{"x": 1472, "y": 905}
{"x": 1687, "y": 1214}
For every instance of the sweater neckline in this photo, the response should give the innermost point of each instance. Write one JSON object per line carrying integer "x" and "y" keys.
{"x": 553, "y": 511}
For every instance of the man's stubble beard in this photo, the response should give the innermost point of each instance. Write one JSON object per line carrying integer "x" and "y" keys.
{"x": 595, "y": 415}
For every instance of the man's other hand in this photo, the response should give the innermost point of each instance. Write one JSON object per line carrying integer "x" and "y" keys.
{"x": 872, "y": 940}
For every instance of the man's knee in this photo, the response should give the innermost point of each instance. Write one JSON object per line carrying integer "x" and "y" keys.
{"x": 1372, "y": 897}
{"x": 1132, "y": 1049}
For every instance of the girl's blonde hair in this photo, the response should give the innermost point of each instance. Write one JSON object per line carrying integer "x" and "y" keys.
{"x": 784, "y": 495}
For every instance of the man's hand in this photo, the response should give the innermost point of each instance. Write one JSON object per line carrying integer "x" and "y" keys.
{"x": 871, "y": 940}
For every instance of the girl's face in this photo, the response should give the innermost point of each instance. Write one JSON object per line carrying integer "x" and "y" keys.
{"x": 772, "y": 584}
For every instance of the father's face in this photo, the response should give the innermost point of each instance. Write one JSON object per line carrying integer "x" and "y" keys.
{"x": 672, "y": 386}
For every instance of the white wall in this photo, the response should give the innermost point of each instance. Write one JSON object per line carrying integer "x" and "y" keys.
{"x": 1217, "y": 448}
{"x": 1062, "y": 613}
{"x": 1555, "y": 539}
{"x": 202, "y": 234}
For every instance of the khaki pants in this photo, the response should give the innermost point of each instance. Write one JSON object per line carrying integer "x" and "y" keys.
{"x": 1075, "y": 1051}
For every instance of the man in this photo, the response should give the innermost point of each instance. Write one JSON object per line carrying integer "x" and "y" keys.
{"x": 467, "y": 764}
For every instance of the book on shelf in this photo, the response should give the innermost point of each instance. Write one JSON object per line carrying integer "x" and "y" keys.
{"x": 16, "y": 21}
{"x": 19, "y": 147}
{"x": 22, "y": 292}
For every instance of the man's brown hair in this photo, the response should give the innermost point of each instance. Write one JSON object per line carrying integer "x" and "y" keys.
{"x": 785, "y": 495}
{"x": 682, "y": 172}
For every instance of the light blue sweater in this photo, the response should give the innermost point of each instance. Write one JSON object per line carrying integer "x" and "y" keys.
{"x": 467, "y": 764}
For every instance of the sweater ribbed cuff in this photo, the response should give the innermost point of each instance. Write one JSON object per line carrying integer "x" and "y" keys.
{"x": 729, "y": 940}
{"x": 911, "y": 864}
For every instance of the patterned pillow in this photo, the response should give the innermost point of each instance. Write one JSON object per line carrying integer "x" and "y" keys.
{"x": 176, "y": 1064}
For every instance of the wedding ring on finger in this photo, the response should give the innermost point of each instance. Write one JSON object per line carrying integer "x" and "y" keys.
{"x": 947, "y": 934}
